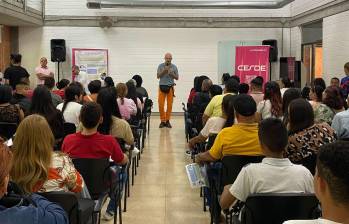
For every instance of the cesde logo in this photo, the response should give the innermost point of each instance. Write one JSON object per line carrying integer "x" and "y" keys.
{"x": 256, "y": 68}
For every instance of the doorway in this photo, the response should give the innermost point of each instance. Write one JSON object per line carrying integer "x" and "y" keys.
{"x": 312, "y": 56}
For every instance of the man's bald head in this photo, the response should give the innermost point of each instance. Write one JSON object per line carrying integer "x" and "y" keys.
{"x": 206, "y": 84}
{"x": 168, "y": 58}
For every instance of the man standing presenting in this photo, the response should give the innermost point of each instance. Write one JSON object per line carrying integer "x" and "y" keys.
{"x": 167, "y": 73}
{"x": 42, "y": 71}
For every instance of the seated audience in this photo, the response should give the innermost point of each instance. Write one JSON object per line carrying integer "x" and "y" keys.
{"x": 132, "y": 94}
{"x": 333, "y": 99}
{"x": 8, "y": 112}
{"x": 42, "y": 104}
{"x": 340, "y": 124}
{"x": 49, "y": 82}
{"x": 109, "y": 82}
{"x": 61, "y": 86}
{"x": 93, "y": 87}
{"x": 16, "y": 73}
{"x": 236, "y": 78}
{"x": 319, "y": 82}
{"x": 257, "y": 89}
{"x": 271, "y": 106}
{"x": 305, "y": 93}
{"x": 37, "y": 167}
{"x": 322, "y": 113}
{"x": 127, "y": 106}
{"x": 335, "y": 82}
{"x": 345, "y": 80}
{"x": 112, "y": 123}
{"x": 305, "y": 137}
{"x": 193, "y": 91}
{"x": 214, "y": 91}
{"x": 71, "y": 106}
{"x": 274, "y": 174}
{"x": 224, "y": 79}
{"x": 244, "y": 88}
{"x": 38, "y": 210}
{"x": 140, "y": 89}
{"x": 286, "y": 84}
{"x": 89, "y": 143}
{"x": 80, "y": 77}
{"x": 202, "y": 98}
{"x": 20, "y": 97}
{"x": 331, "y": 184}
{"x": 239, "y": 139}
{"x": 214, "y": 108}
{"x": 215, "y": 124}
{"x": 289, "y": 95}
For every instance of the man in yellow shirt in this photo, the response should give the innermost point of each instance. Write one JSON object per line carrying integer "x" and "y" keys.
{"x": 239, "y": 139}
{"x": 214, "y": 108}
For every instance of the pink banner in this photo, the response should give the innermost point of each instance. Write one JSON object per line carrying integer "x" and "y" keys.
{"x": 252, "y": 61}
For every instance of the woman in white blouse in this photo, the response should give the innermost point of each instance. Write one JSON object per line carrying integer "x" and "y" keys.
{"x": 271, "y": 106}
{"x": 71, "y": 106}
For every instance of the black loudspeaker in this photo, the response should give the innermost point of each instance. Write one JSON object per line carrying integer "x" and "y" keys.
{"x": 58, "y": 50}
{"x": 273, "y": 54}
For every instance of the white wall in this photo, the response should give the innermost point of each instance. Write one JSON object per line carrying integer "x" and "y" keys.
{"x": 335, "y": 45}
{"x": 300, "y": 6}
{"x": 140, "y": 50}
{"x": 78, "y": 8}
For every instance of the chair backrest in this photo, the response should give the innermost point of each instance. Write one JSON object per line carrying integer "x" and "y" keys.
{"x": 68, "y": 201}
{"x": 210, "y": 141}
{"x": 277, "y": 208}
{"x": 233, "y": 164}
{"x": 309, "y": 162}
{"x": 69, "y": 128}
{"x": 7, "y": 130}
{"x": 96, "y": 174}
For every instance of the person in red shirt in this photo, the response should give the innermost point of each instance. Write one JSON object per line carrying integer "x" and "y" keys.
{"x": 89, "y": 143}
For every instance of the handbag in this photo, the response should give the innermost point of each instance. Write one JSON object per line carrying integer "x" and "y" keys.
{"x": 165, "y": 89}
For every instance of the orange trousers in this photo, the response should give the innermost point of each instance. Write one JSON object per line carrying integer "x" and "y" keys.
{"x": 162, "y": 97}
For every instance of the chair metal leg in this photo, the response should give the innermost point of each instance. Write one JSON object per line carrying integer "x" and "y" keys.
{"x": 148, "y": 125}
{"x": 125, "y": 195}
{"x": 133, "y": 171}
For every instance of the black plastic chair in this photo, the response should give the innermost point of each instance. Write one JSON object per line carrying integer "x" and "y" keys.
{"x": 101, "y": 181}
{"x": 7, "y": 130}
{"x": 79, "y": 211}
{"x": 230, "y": 168}
{"x": 278, "y": 208}
{"x": 69, "y": 128}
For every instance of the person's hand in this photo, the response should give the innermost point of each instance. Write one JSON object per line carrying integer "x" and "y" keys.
{"x": 191, "y": 144}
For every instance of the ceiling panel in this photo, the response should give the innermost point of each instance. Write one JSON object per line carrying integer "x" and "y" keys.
{"x": 266, "y": 4}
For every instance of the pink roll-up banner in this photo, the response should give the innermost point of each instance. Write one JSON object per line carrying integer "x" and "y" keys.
{"x": 252, "y": 61}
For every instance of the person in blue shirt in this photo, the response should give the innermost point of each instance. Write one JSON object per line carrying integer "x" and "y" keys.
{"x": 18, "y": 209}
{"x": 345, "y": 80}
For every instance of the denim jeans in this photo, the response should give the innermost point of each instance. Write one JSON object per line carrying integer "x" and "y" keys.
{"x": 112, "y": 206}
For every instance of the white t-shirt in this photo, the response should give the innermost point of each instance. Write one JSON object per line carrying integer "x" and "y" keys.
{"x": 315, "y": 221}
{"x": 213, "y": 126}
{"x": 71, "y": 112}
{"x": 272, "y": 176}
{"x": 264, "y": 108}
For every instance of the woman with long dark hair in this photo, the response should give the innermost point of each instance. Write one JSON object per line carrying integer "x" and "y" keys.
{"x": 271, "y": 106}
{"x": 289, "y": 95}
{"x": 71, "y": 106}
{"x": 113, "y": 124}
{"x": 215, "y": 124}
{"x": 42, "y": 104}
{"x": 305, "y": 136}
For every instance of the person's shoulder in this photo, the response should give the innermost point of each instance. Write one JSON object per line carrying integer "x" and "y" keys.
{"x": 161, "y": 65}
{"x": 302, "y": 222}
{"x": 343, "y": 114}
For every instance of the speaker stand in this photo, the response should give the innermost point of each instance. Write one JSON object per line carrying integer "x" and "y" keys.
{"x": 58, "y": 72}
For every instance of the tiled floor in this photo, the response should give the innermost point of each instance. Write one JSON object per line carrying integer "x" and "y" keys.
{"x": 162, "y": 193}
